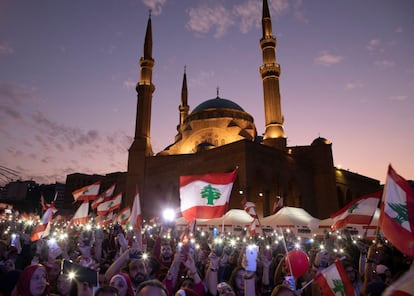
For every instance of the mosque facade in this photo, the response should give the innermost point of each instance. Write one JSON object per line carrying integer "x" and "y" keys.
{"x": 218, "y": 136}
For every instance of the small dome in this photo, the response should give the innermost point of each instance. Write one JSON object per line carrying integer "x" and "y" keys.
{"x": 217, "y": 103}
{"x": 320, "y": 141}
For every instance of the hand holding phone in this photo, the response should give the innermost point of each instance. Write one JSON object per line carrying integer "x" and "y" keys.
{"x": 251, "y": 257}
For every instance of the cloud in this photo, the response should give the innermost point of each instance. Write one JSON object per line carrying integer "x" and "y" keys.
{"x": 5, "y": 48}
{"x": 11, "y": 93}
{"x": 374, "y": 45}
{"x": 129, "y": 84}
{"x": 204, "y": 19}
{"x": 249, "y": 14}
{"x": 327, "y": 59}
{"x": 354, "y": 84}
{"x": 398, "y": 98}
{"x": 155, "y": 5}
{"x": 384, "y": 64}
{"x": 201, "y": 78}
{"x": 399, "y": 29}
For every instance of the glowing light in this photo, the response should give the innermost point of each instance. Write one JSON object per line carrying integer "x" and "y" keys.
{"x": 168, "y": 215}
{"x": 297, "y": 246}
{"x": 88, "y": 227}
{"x": 322, "y": 247}
{"x": 145, "y": 256}
{"x": 71, "y": 275}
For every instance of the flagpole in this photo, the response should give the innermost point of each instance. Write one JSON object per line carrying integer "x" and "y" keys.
{"x": 286, "y": 250}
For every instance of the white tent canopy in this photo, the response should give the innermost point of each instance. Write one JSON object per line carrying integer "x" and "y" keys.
{"x": 291, "y": 217}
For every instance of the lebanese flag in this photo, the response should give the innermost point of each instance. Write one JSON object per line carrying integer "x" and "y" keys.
{"x": 110, "y": 205}
{"x": 396, "y": 219}
{"x": 104, "y": 195}
{"x": 359, "y": 211}
{"x": 250, "y": 208}
{"x": 89, "y": 192}
{"x": 205, "y": 196}
{"x": 334, "y": 281}
{"x": 123, "y": 215}
{"x": 81, "y": 215}
{"x": 135, "y": 219}
{"x": 105, "y": 220}
{"x": 403, "y": 286}
{"x": 43, "y": 229}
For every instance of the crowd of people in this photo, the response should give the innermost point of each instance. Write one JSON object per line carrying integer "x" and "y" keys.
{"x": 162, "y": 261}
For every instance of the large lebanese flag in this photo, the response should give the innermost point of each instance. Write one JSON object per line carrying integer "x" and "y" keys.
{"x": 89, "y": 192}
{"x": 110, "y": 205}
{"x": 205, "y": 196}
{"x": 334, "y": 281}
{"x": 359, "y": 211}
{"x": 123, "y": 215}
{"x": 104, "y": 195}
{"x": 396, "y": 219}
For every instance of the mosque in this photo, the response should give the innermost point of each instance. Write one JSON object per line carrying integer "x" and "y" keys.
{"x": 219, "y": 135}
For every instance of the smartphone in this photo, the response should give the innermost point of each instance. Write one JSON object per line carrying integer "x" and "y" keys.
{"x": 80, "y": 273}
{"x": 251, "y": 257}
{"x": 290, "y": 282}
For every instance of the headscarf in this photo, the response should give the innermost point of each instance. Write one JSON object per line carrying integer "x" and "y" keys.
{"x": 23, "y": 284}
{"x": 127, "y": 280}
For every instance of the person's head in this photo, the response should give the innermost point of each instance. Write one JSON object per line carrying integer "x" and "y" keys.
{"x": 282, "y": 290}
{"x": 106, "y": 291}
{"x": 84, "y": 288}
{"x": 33, "y": 281}
{"x": 122, "y": 283}
{"x": 224, "y": 289}
{"x": 54, "y": 270}
{"x": 151, "y": 288}
{"x": 383, "y": 273}
{"x": 166, "y": 251}
{"x": 185, "y": 282}
{"x": 236, "y": 279}
{"x": 351, "y": 271}
{"x": 64, "y": 284}
{"x": 137, "y": 271}
{"x": 9, "y": 265}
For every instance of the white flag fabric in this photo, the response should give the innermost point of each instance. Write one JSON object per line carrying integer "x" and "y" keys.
{"x": 135, "y": 219}
{"x": 103, "y": 196}
{"x": 110, "y": 205}
{"x": 89, "y": 192}
{"x": 81, "y": 215}
{"x": 205, "y": 196}
{"x": 359, "y": 211}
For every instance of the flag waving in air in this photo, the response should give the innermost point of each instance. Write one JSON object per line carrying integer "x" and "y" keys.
{"x": 205, "y": 196}
{"x": 334, "y": 281}
{"x": 396, "y": 219}
{"x": 89, "y": 192}
{"x": 110, "y": 205}
{"x": 135, "y": 218}
{"x": 103, "y": 196}
{"x": 359, "y": 211}
{"x": 123, "y": 215}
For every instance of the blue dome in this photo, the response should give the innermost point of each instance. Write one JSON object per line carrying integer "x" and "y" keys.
{"x": 217, "y": 103}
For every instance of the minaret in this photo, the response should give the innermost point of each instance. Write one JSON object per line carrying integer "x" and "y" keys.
{"x": 274, "y": 135}
{"x": 141, "y": 146}
{"x": 184, "y": 99}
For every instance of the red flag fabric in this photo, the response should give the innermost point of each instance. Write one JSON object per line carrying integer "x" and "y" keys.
{"x": 135, "y": 219}
{"x": 103, "y": 196}
{"x": 89, "y": 192}
{"x": 359, "y": 211}
{"x": 110, "y": 205}
{"x": 334, "y": 281}
{"x": 396, "y": 219}
{"x": 205, "y": 196}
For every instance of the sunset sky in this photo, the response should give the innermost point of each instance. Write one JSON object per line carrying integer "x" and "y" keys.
{"x": 68, "y": 71}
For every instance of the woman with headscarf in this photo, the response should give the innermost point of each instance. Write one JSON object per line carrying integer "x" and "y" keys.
{"x": 122, "y": 283}
{"x": 32, "y": 282}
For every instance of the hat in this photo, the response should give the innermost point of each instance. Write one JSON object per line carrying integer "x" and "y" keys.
{"x": 381, "y": 269}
